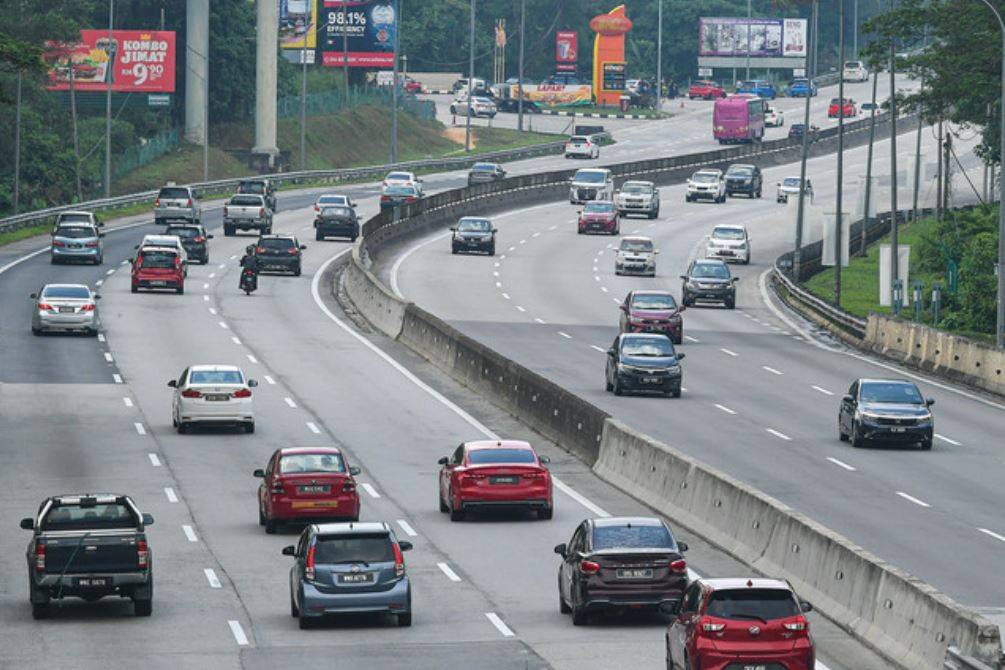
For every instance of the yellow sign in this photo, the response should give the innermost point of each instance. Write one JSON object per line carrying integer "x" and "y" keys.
{"x": 298, "y": 20}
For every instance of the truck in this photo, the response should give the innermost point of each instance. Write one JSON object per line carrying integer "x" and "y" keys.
{"x": 89, "y": 546}
{"x": 738, "y": 118}
{"x": 247, "y": 212}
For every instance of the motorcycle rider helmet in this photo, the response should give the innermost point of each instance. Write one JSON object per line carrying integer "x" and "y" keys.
{"x": 250, "y": 249}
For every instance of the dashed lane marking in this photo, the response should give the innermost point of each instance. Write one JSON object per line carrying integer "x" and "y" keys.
{"x": 108, "y": 356}
{"x": 235, "y": 340}
{"x": 128, "y": 402}
{"x": 565, "y": 335}
{"x": 541, "y": 321}
{"x": 117, "y": 378}
{"x": 189, "y": 533}
{"x": 725, "y": 409}
{"x": 499, "y": 624}
{"x": 409, "y": 531}
{"x": 289, "y": 401}
{"x": 314, "y": 429}
{"x": 520, "y": 308}
{"x": 171, "y": 495}
{"x": 841, "y": 464}
{"x": 154, "y": 461}
{"x": 239, "y": 636}
{"x": 728, "y": 352}
{"x": 252, "y": 358}
{"x": 223, "y": 324}
{"x": 372, "y": 492}
{"x": 822, "y": 390}
{"x": 910, "y": 498}
{"x": 140, "y": 429}
{"x": 946, "y": 439}
{"x": 448, "y": 571}
{"x": 269, "y": 379}
{"x": 214, "y": 581}
{"x": 991, "y": 533}
{"x": 692, "y": 339}
{"x": 771, "y": 370}
{"x": 596, "y": 348}
{"x": 778, "y": 434}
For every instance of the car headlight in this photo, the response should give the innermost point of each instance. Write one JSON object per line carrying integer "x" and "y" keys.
{"x": 742, "y": 247}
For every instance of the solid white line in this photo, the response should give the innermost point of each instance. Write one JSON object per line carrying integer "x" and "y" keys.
{"x": 235, "y": 340}
{"x": 448, "y": 571}
{"x": 214, "y": 581}
{"x": 212, "y": 310}
{"x": 498, "y": 623}
{"x": 401, "y": 259}
{"x": 604, "y": 289}
{"x": 108, "y": 356}
{"x": 154, "y": 461}
{"x": 314, "y": 429}
{"x": 171, "y": 495}
{"x": 771, "y": 370}
{"x": 370, "y": 490}
{"x": 536, "y": 235}
{"x": 409, "y": 531}
{"x": 140, "y": 429}
{"x": 270, "y": 379}
{"x": 252, "y": 358}
{"x": 946, "y": 439}
{"x": 117, "y": 378}
{"x": 727, "y": 351}
{"x": 691, "y": 339}
{"x": 777, "y": 434}
{"x": 520, "y": 308}
{"x": 506, "y": 295}
{"x": 101, "y": 337}
{"x": 223, "y": 324}
{"x": 239, "y": 636}
{"x": 565, "y": 335}
{"x": 911, "y": 498}
{"x": 578, "y": 497}
{"x": 289, "y": 401}
{"x": 991, "y": 533}
{"x": 841, "y": 464}
{"x": 189, "y": 533}
{"x": 523, "y": 241}
{"x": 725, "y": 409}
{"x": 822, "y": 390}
{"x": 128, "y": 402}
{"x": 600, "y": 349}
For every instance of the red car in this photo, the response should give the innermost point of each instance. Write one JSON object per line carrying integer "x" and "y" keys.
{"x": 834, "y": 111}
{"x": 740, "y": 623}
{"x": 599, "y": 216}
{"x": 706, "y": 90}
{"x": 504, "y": 474}
{"x": 652, "y": 312}
{"x": 158, "y": 267}
{"x": 306, "y": 484}
{"x": 412, "y": 86}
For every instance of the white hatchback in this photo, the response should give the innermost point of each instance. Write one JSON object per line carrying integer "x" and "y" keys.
{"x": 581, "y": 146}
{"x": 170, "y": 241}
{"x": 212, "y": 395}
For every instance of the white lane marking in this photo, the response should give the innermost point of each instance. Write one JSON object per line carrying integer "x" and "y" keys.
{"x": 222, "y": 265}
{"x": 205, "y": 286}
{"x": 212, "y": 310}
{"x": 110, "y": 272}
{"x": 108, "y": 356}
{"x": 314, "y": 429}
{"x": 205, "y": 298}
{"x": 370, "y": 490}
{"x": 140, "y": 429}
{"x": 252, "y": 358}
{"x": 541, "y": 321}
{"x": 496, "y": 264}
{"x": 553, "y": 227}
{"x": 154, "y": 461}
{"x": 128, "y": 402}
{"x": 189, "y": 533}
{"x": 822, "y": 390}
{"x": 616, "y": 301}
{"x": 692, "y": 339}
{"x": 596, "y": 277}
{"x": 212, "y": 274}
{"x": 595, "y": 268}
{"x": 239, "y": 636}
{"x": 234, "y": 257}
{"x": 536, "y": 235}
{"x": 578, "y": 497}
{"x": 223, "y": 324}
{"x": 498, "y": 284}
{"x": 448, "y": 571}
{"x": 495, "y": 273}
{"x": 502, "y": 257}
{"x": 499, "y": 624}
{"x": 728, "y": 352}
{"x": 235, "y": 340}
{"x": 991, "y": 533}
{"x": 604, "y": 289}
{"x": 565, "y": 335}
{"x": 771, "y": 370}
{"x": 99, "y": 282}
{"x": 506, "y": 295}
{"x": 511, "y": 249}
{"x": 600, "y": 253}
{"x": 523, "y": 241}
{"x": 270, "y": 379}
{"x": 402, "y": 258}
{"x": 946, "y": 439}
{"x": 725, "y": 409}
{"x": 214, "y": 581}
{"x": 171, "y": 495}
{"x": 289, "y": 401}
{"x": 124, "y": 263}
{"x": 600, "y": 349}
{"x": 520, "y": 308}
{"x": 101, "y": 337}
{"x": 778, "y": 434}
{"x": 841, "y": 464}
{"x": 18, "y": 261}
{"x": 117, "y": 378}
{"x": 911, "y": 498}
{"x": 409, "y": 531}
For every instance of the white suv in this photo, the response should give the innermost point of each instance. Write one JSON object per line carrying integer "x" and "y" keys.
{"x": 581, "y": 146}
{"x": 591, "y": 184}
{"x": 170, "y": 241}
{"x": 855, "y": 70}
{"x": 729, "y": 242}
{"x": 706, "y": 185}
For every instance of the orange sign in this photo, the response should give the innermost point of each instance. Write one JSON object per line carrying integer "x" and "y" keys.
{"x": 610, "y": 26}
{"x": 609, "y": 55}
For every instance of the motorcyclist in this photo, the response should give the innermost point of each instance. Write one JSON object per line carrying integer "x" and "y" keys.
{"x": 250, "y": 263}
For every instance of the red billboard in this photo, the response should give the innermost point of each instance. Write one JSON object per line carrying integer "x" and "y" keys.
{"x": 132, "y": 60}
{"x": 566, "y": 50}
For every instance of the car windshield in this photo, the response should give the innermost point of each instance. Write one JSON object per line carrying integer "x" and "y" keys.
{"x": 357, "y": 548}
{"x": 599, "y": 208}
{"x": 294, "y": 463}
{"x": 752, "y": 604}
{"x": 398, "y": 176}
{"x": 636, "y": 245}
{"x": 400, "y": 190}
{"x": 654, "y": 301}
{"x": 710, "y": 270}
{"x": 483, "y": 167}
{"x": 246, "y": 201}
{"x": 78, "y": 292}
{"x": 276, "y": 243}
{"x": 657, "y": 347}
{"x": 74, "y": 231}
{"x": 636, "y": 188}
{"x": 495, "y": 455}
{"x": 174, "y": 193}
{"x": 332, "y": 200}
{"x": 75, "y": 517}
{"x": 799, "y": 82}
{"x": 890, "y": 392}
{"x": 741, "y": 170}
{"x": 632, "y": 536}
{"x": 184, "y": 232}
{"x": 590, "y": 177}
{"x": 474, "y": 225}
{"x": 336, "y": 212}
{"x": 704, "y": 177}
{"x": 215, "y": 377}
{"x": 791, "y": 181}
{"x": 158, "y": 258}
{"x": 724, "y": 233}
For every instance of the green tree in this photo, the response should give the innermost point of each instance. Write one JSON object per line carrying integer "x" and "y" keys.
{"x": 978, "y": 283}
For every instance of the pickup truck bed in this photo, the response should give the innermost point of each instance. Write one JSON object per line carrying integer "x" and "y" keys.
{"x": 247, "y": 212}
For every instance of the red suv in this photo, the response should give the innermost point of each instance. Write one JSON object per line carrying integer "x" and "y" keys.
{"x": 706, "y": 89}
{"x": 723, "y": 624}
{"x": 306, "y": 484}
{"x": 158, "y": 267}
{"x": 834, "y": 111}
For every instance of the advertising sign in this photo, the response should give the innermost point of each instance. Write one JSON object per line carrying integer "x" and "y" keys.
{"x": 298, "y": 24}
{"x": 366, "y": 27}
{"x": 614, "y": 76}
{"x": 794, "y": 38}
{"x": 558, "y": 95}
{"x": 766, "y": 37}
{"x": 566, "y": 50}
{"x": 132, "y": 60}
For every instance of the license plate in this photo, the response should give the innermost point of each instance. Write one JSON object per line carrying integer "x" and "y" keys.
{"x": 650, "y": 380}
{"x": 314, "y": 504}
{"x": 356, "y": 578}
{"x": 88, "y": 582}
{"x": 504, "y": 480}
{"x": 754, "y": 667}
{"x": 635, "y": 573}
{"x": 725, "y": 252}
{"x": 898, "y": 429}
{"x": 66, "y": 310}
{"x": 158, "y": 283}
{"x": 314, "y": 488}
{"x": 217, "y": 397}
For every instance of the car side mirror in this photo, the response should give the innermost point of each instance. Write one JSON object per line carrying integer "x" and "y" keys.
{"x": 289, "y": 550}
{"x": 33, "y": 296}
{"x": 778, "y": 183}
{"x": 929, "y": 402}
{"x": 681, "y": 308}
{"x": 848, "y": 399}
{"x": 735, "y": 279}
{"x": 544, "y": 459}
{"x": 404, "y": 545}
{"x": 148, "y": 519}
{"x": 97, "y": 296}
{"x": 303, "y": 246}
{"x": 101, "y": 234}
{"x": 136, "y": 246}
{"x": 495, "y": 230}
{"x": 682, "y": 547}
{"x": 443, "y": 461}
{"x": 579, "y": 212}
{"x": 353, "y": 470}
{"x": 173, "y": 383}
{"x": 453, "y": 229}
{"x": 27, "y": 523}
{"x": 805, "y": 606}
{"x": 611, "y": 351}
{"x": 680, "y": 356}
{"x": 561, "y": 550}
{"x": 684, "y": 277}
{"x": 209, "y": 237}
{"x": 260, "y": 473}
{"x": 656, "y": 251}
{"x": 623, "y": 308}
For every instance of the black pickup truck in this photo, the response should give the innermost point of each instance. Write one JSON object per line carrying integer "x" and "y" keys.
{"x": 89, "y": 546}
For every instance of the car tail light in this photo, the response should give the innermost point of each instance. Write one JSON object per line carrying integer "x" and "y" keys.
{"x": 157, "y": 202}
{"x": 309, "y": 567}
{"x": 225, "y": 210}
{"x": 44, "y": 306}
{"x": 589, "y": 567}
{"x": 708, "y": 626}
{"x": 190, "y": 393}
{"x": 385, "y": 198}
{"x": 410, "y": 199}
{"x": 200, "y": 239}
{"x": 142, "y": 554}
{"x": 58, "y": 243}
{"x": 317, "y": 208}
{"x": 91, "y": 244}
{"x": 40, "y": 557}
{"x": 188, "y": 203}
{"x": 277, "y": 488}
{"x": 242, "y": 393}
{"x": 468, "y": 477}
{"x": 349, "y": 487}
{"x": 261, "y": 211}
{"x": 177, "y": 261}
{"x": 87, "y": 308}
{"x": 293, "y": 250}
{"x": 259, "y": 250}
{"x": 679, "y": 566}
{"x": 800, "y": 624}
{"x": 399, "y": 561}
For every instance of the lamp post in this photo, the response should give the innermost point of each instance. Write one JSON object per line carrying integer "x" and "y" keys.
{"x": 868, "y": 161}
{"x": 840, "y": 162}
{"x": 748, "y": 38}
{"x": 894, "y": 251}
{"x": 303, "y": 106}
{"x": 519, "y": 81}
{"x": 801, "y": 209}
{"x": 659, "y": 52}
{"x": 109, "y": 75}
{"x": 471, "y": 79}
{"x": 394, "y": 84}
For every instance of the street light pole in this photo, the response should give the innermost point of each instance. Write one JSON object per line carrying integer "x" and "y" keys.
{"x": 17, "y": 144}
{"x": 109, "y": 75}
{"x": 471, "y": 79}
{"x": 840, "y": 162}
{"x": 894, "y": 250}
{"x": 854, "y": 33}
{"x": 868, "y": 162}
{"x": 801, "y": 209}
{"x": 748, "y": 38}
{"x": 303, "y": 106}
{"x": 519, "y": 83}
{"x": 205, "y": 119}
{"x": 659, "y": 54}
{"x": 394, "y": 84}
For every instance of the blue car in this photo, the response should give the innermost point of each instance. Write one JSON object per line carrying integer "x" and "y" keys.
{"x": 759, "y": 87}
{"x": 349, "y": 568}
{"x": 800, "y": 88}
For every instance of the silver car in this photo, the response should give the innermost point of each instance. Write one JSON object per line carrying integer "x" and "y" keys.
{"x": 789, "y": 187}
{"x": 76, "y": 242}
{"x": 65, "y": 307}
{"x": 177, "y": 203}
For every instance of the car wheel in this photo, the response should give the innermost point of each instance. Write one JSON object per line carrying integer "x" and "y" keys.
{"x": 562, "y": 606}
{"x": 304, "y": 622}
{"x": 182, "y": 427}
{"x": 926, "y": 444}
{"x": 143, "y": 607}
{"x": 731, "y": 303}
{"x": 456, "y": 514}
{"x": 318, "y": 236}
{"x": 617, "y": 387}
{"x": 675, "y": 392}
{"x": 677, "y": 339}
{"x": 270, "y": 526}
{"x": 36, "y": 331}
{"x": 40, "y": 610}
{"x": 249, "y": 427}
{"x": 99, "y": 260}
{"x": 134, "y": 289}
{"x": 296, "y": 273}
{"x": 261, "y": 515}
{"x": 492, "y": 250}
{"x": 843, "y": 436}
{"x": 443, "y": 505}
{"x": 228, "y": 231}
{"x": 546, "y": 514}
{"x": 405, "y": 620}
{"x": 579, "y": 616}
{"x": 294, "y": 612}
{"x": 180, "y": 290}
{"x": 856, "y": 439}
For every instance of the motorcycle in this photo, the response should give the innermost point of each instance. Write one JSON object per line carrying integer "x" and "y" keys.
{"x": 249, "y": 281}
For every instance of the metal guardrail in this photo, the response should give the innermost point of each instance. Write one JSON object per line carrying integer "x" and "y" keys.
{"x": 834, "y": 314}
{"x": 955, "y": 660}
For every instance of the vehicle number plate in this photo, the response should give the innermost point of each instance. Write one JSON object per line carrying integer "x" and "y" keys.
{"x": 650, "y": 380}
{"x": 754, "y": 667}
{"x": 66, "y": 310}
{"x": 355, "y": 578}
{"x": 635, "y": 573}
{"x": 315, "y": 488}
{"x": 217, "y": 397}
{"x": 158, "y": 283}
{"x": 505, "y": 480}
{"x": 92, "y": 581}
{"x": 898, "y": 429}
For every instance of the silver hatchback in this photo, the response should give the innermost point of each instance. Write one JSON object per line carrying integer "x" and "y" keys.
{"x": 65, "y": 307}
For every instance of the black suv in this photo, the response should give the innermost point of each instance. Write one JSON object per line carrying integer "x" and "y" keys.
{"x": 279, "y": 253}
{"x": 616, "y": 563}
{"x": 194, "y": 239}
{"x": 336, "y": 221}
{"x": 644, "y": 362}
{"x": 262, "y": 187}
{"x": 746, "y": 179}
{"x": 887, "y": 410}
{"x": 709, "y": 280}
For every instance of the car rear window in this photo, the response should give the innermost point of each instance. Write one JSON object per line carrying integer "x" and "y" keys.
{"x": 295, "y": 463}
{"x": 174, "y": 193}
{"x": 74, "y": 232}
{"x": 579, "y": 138}
{"x": 752, "y": 604}
{"x": 332, "y": 200}
{"x": 246, "y": 201}
{"x": 79, "y": 292}
{"x": 366, "y": 548}
{"x": 158, "y": 258}
{"x": 215, "y": 377}
{"x": 74, "y": 517}
{"x": 632, "y": 537}
{"x": 483, "y": 167}
{"x": 398, "y": 176}
{"x": 184, "y": 232}
{"x": 484, "y": 456}
{"x": 744, "y": 170}
{"x": 400, "y": 190}
{"x": 635, "y": 188}
{"x": 276, "y": 243}
{"x": 726, "y": 233}
{"x": 251, "y": 187}
{"x": 71, "y": 218}
{"x": 336, "y": 212}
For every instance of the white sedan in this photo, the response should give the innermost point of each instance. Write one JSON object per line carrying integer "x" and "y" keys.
{"x": 212, "y": 395}
{"x": 774, "y": 118}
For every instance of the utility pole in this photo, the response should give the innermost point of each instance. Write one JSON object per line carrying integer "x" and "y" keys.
{"x": 17, "y": 145}
{"x": 917, "y": 151}
{"x": 854, "y": 34}
{"x": 394, "y": 85}
{"x": 894, "y": 251}
{"x": 840, "y": 162}
{"x": 816, "y": 40}
{"x": 748, "y": 36}
{"x": 109, "y": 76}
{"x": 659, "y": 53}
{"x": 73, "y": 122}
{"x": 471, "y": 79}
{"x": 801, "y": 209}
{"x": 303, "y": 106}
{"x": 868, "y": 163}
{"x": 939, "y": 196}
{"x": 205, "y": 115}
{"x": 519, "y": 83}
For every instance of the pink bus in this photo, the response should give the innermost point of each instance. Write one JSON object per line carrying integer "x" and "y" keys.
{"x": 738, "y": 118}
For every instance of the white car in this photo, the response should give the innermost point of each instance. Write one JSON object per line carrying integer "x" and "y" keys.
{"x": 332, "y": 200}
{"x": 480, "y": 106}
{"x": 790, "y": 187}
{"x": 855, "y": 70}
{"x": 212, "y": 395}
{"x": 706, "y": 185}
{"x": 729, "y": 242}
{"x": 774, "y": 118}
{"x": 581, "y": 146}
{"x": 638, "y": 197}
{"x": 171, "y": 241}
{"x": 636, "y": 256}
{"x": 591, "y": 184}
{"x": 400, "y": 178}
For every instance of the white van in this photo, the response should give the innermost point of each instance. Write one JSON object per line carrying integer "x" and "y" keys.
{"x": 855, "y": 70}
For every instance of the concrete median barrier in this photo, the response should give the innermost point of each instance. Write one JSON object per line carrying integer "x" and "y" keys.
{"x": 379, "y": 306}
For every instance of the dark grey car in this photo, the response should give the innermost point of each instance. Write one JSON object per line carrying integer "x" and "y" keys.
{"x": 709, "y": 281}
{"x": 473, "y": 234}
{"x": 482, "y": 173}
{"x": 886, "y": 410}
{"x": 745, "y": 179}
{"x": 646, "y": 362}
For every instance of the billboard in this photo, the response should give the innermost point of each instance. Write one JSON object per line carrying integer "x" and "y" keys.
{"x": 298, "y": 24}
{"x": 566, "y": 50}
{"x": 132, "y": 60}
{"x": 767, "y": 37}
{"x": 364, "y": 28}
{"x": 558, "y": 95}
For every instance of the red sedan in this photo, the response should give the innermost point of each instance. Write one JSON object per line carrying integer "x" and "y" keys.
{"x": 306, "y": 484}
{"x": 706, "y": 90}
{"x": 504, "y": 474}
{"x": 599, "y": 216}
{"x": 834, "y": 111}
{"x": 412, "y": 86}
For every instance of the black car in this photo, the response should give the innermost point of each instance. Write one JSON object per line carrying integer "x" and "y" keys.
{"x": 194, "y": 239}
{"x": 617, "y": 563}
{"x": 644, "y": 362}
{"x": 709, "y": 280}
{"x": 279, "y": 253}
{"x": 744, "y": 179}
{"x": 513, "y": 105}
{"x": 886, "y": 410}
{"x": 796, "y": 130}
{"x": 336, "y": 221}
{"x": 482, "y": 173}
{"x": 473, "y": 234}
{"x": 262, "y": 187}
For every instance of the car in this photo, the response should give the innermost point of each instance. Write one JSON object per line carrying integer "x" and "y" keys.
{"x": 158, "y": 268}
{"x": 652, "y": 311}
{"x": 789, "y": 187}
{"x": 638, "y": 197}
{"x": 855, "y": 70}
{"x": 706, "y": 89}
{"x": 336, "y": 221}
{"x": 581, "y": 146}
{"x": 302, "y": 484}
{"x": 636, "y": 255}
{"x": 172, "y": 241}
{"x": 759, "y": 87}
{"x": 773, "y": 117}
{"x": 395, "y": 196}
{"x": 337, "y": 199}
{"x": 870, "y": 106}
{"x": 177, "y": 203}
{"x": 402, "y": 178}
{"x": 800, "y": 87}
{"x": 599, "y": 216}
{"x": 709, "y": 280}
{"x": 65, "y": 308}
{"x": 412, "y": 86}
{"x": 89, "y": 546}
{"x": 886, "y": 410}
{"x": 462, "y": 85}
{"x": 727, "y": 624}
{"x": 744, "y": 178}
{"x": 349, "y": 568}
{"x": 280, "y": 253}
{"x": 835, "y": 109}
{"x": 513, "y": 106}
{"x": 729, "y": 242}
{"x": 706, "y": 185}
{"x": 495, "y": 474}
{"x": 591, "y": 184}
{"x": 473, "y": 233}
{"x": 796, "y": 131}
{"x": 194, "y": 240}
{"x": 247, "y": 212}
{"x": 644, "y": 362}
{"x": 617, "y": 563}
{"x": 76, "y": 242}
{"x": 481, "y": 173}
{"x": 480, "y": 106}
{"x": 263, "y": 187}
{"x": 212, "y": 395}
